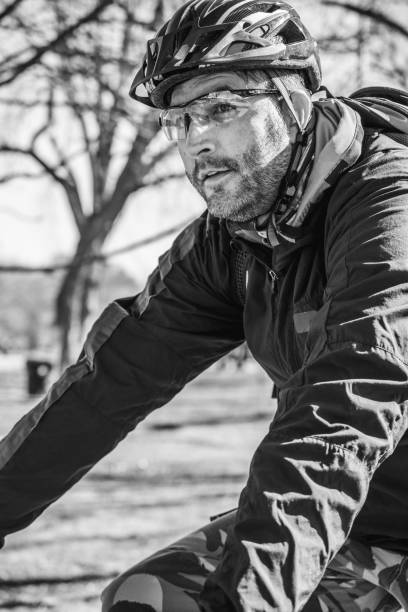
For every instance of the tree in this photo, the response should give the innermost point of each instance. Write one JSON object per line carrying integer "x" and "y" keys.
{"x": 12, "y": 65}
{"x": 373, "y": 13}
{"x": 83, "y": 82}
{"x": 376, "y": 36}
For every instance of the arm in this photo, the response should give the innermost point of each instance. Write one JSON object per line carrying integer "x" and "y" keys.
{"x": 138, "y": 355}
{"x": 339, "y": 416}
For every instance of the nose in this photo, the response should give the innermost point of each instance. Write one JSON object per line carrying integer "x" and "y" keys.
{"x": 200, "y": 140}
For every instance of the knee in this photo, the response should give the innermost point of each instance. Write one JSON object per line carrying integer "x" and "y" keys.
{"x": 143, "y": 592}
{"x": 128, "y": 606}
{"x": 133, "y": 593}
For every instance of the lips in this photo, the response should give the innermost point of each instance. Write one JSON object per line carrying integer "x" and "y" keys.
{"x": 212, "y": 173}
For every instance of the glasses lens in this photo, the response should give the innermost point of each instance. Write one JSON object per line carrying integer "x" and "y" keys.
{"x": 173, "y": 123}
{"x": 213, "y": 109}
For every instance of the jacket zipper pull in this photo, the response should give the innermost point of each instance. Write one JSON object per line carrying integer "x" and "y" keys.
{"x": 274, "y": 278}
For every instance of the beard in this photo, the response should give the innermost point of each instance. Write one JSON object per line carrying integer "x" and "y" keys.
{"x": 251, "y": 188}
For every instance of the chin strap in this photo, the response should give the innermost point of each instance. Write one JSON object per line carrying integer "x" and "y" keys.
{"x": 292, "y": 185}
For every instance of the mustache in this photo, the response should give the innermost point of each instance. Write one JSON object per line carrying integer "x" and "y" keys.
{"x": 214, "y": 164}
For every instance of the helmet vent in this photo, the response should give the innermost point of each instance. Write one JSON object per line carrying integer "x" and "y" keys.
{"x": 267, "y": 7}
{"x": 239, "y": 47}
{"x": 242, "y": 13}
{"x": 262, "y": 31}
{"x": 205, "y": 43}
{"x": 290, "y": 33}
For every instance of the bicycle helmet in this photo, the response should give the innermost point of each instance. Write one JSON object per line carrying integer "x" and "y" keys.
{"x": 215, "y": 35}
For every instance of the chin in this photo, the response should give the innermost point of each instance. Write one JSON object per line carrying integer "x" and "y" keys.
{"x": 216, "y": 211}
{"x": 239, "y": 215}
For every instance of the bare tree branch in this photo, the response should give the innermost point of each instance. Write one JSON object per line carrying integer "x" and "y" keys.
{"x": 38, "y": 133}
{"x": 78, "y": 112}
{"x": 148, "y": 26}
{"x": 70, "y": 184}
{"x": 126, "y": 41}
{"x": 74, "y": 53}
{"x": 152, "y": 25}
{"x": 9, "y": 8}
{"x": 129, "y": 179}
{"x": 69, "y": 188}
{"x": 377, "y": 16}
{"x": 52, "y": 171}
{"x": 21, "y": 175}
{"x": 102, "y": 256}
{"x": 40, "y": 103}
{"x": 34, "y": 59}
{"x": 145, "y": 168}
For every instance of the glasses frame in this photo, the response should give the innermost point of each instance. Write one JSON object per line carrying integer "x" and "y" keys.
{"x": 245, "y": 94}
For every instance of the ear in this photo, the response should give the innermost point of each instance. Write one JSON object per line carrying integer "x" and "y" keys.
{"x": 302, "y": 107}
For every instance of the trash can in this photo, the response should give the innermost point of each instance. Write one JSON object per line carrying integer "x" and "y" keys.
{"x": 37, "y": 375}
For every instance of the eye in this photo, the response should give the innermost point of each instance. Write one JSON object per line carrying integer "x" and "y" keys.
{"x": 223, "y": 110}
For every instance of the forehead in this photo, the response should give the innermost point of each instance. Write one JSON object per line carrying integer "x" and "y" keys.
{"x": 205, "y": 84}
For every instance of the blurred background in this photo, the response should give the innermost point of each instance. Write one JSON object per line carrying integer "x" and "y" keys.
{"x": 91, "y": 194}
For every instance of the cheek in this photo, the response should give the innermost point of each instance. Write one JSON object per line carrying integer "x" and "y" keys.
{"x": 264, "y": 135}
{"x": 277, "y": 131}
{"x": 275, "y": 142}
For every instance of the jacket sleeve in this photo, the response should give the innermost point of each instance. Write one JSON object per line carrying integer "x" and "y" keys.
{"x": 137, "y": 356}
{"x": 340, "y": 415}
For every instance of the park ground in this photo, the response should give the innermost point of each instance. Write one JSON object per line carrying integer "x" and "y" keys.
{"x": 185, "y": 463}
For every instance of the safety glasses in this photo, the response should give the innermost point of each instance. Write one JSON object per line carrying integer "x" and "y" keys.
{"x": 216, "y": 108}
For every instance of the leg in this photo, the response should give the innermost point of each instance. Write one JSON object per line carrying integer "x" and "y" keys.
{"x": 359, "y": 579}
{"x": 362, "y": 579}
{"x": 171, "y": 579}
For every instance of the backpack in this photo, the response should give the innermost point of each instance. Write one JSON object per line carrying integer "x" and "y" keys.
{"x": 383, "y": 108}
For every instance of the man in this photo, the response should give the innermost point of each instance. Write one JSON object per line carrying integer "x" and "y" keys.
{"x": 303, "y": 253}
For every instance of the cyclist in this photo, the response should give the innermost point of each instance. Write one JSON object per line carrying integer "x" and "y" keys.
{"x": 303, "y": 254}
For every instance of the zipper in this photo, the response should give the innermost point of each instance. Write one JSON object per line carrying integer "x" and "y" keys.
{"x": 274, "y": 277}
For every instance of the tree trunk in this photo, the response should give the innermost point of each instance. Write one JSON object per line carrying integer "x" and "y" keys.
{"x": 64, "y": 315}
{"x": 88, "y": 302}
{"x": 76, "y": 285}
